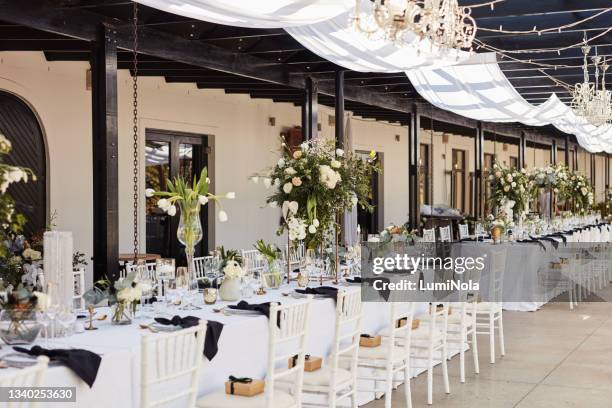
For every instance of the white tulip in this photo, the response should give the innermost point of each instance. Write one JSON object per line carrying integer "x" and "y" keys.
{"x": 230, "y": 196}
{"x": 203, "y": 199}
{"x": 267, "y": 181}
{"x": 287, "y": 188}
{"x": 149, "y": 192}
{"x": 339, "y": 152}
{"x": 315, "y": 222}
{"x": 171, "y": 210}
{"x": 222, "y": 216}
{"x": 312, "y": 229}
{"x": 163, "y": 203}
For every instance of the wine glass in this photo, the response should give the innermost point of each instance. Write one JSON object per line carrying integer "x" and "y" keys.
{"x": 66, "y": 319}
{"x": 44, "y": 320}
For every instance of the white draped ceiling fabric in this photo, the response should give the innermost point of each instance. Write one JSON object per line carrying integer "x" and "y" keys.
{"x": 471, "y": 86}
{"x": 337, "y": 41}
{"x": 255, "y": 13}
{"x": 479, "y": 90}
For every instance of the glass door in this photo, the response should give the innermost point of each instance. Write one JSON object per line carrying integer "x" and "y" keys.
{"x": 168, "y": 155}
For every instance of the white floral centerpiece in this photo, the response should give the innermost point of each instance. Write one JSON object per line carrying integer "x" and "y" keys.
{"x": 510, "y": 185}
{"x": 314, "y": 184}
{"x": 127, "y": 295}
{"x": 231, "y": 288}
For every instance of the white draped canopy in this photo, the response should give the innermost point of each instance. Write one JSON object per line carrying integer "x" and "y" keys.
{"x": 254, "y": 13}
{"x": 472, "y": 86}
{"x": 478, "y": 89}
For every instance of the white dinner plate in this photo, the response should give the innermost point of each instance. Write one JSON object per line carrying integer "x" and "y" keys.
{"x": 241, "y": 312}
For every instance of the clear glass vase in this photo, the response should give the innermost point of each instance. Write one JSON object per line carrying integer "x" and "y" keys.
{"x": 273, "y": 277}
{"x": 190, "y": 233}
{"x": 18, "y": 326}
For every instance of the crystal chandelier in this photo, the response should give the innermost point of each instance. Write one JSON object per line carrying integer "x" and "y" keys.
{"x": 443, "y": 22}
{"x": 589, "y": 100}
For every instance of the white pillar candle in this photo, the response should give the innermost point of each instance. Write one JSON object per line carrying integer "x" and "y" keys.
{"x": 58, "y": 267}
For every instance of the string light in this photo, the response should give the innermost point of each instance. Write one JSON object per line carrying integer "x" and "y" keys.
{"x": 545, "y": 30}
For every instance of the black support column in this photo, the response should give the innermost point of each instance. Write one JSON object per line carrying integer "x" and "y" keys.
{"x": 522, "y": 150}
{"x": 607, "y": 166}
{"x": 478, "y": 168}
{"x": 414, "y": 206}
{"x": 105, "y": 155}
{"x": 339, "y": 107}
{"x": 593, "y": 167}
{"x": 553, "y": 152}
{"x": 575, "y": 166}
{"x": 567, "y": 151}
{"x": 309, "y": 109}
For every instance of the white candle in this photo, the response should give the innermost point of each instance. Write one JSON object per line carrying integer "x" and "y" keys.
{"x": 58, "y": 266}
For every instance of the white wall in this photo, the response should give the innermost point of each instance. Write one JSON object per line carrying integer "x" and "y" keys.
{"x": 244, "y": 144}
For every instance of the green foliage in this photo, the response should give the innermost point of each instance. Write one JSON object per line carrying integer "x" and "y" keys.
{"x": 269, "y": 251}
{"x": 229, "y": 255}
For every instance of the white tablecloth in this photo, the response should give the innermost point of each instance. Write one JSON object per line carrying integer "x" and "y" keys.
{"x": 242, "y": 350}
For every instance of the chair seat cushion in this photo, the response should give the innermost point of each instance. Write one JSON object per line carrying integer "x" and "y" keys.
{"x": 222, "y": 400}
{"x": 381, "y": 352}
{"x": 322, "y": 376}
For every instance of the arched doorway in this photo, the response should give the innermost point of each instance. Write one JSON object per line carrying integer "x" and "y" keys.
{"x": 20, "y": 125}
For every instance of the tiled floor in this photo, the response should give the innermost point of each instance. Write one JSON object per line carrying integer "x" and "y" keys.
{"x": 554, "y": 358}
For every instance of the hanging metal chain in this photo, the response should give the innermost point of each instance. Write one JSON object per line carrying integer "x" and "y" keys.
{"x": 135, "y": 128}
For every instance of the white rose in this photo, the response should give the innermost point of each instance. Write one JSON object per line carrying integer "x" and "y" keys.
{"x": 267, "y": 182}
{"x": 336, "y": 164}
{"x": 297, "y": 154}
{"x": 287, "y": 188}
{"x": 230, "y": 196}
{"x": 290, "y": 171}
{"x": 222, "y": 216}
{"x": 339, "y": 152}
{"x": 312, "y": 229}
{"x": 149, "y": 192}
{"x": 281, "y": 162}
{"x": 203, "y": 199}
{"x": 513, "y": 184}
{"x": 506, "y": 188}
{"x": 171, "y": 210}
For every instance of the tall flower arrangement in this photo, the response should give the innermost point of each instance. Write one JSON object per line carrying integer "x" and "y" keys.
{"x": 554, "y": 177}
{"x": 581, "y": 192}
{"x": 316, "y": 183}
{"x": 510, "y": 185}
{"x": 189, "y": 198}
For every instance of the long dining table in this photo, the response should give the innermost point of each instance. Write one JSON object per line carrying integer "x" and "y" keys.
{"x": 242, "y": 348}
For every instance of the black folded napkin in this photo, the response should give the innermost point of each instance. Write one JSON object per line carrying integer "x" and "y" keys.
{"x": 358, "y": 279}
{"x": 263, "y": 308}
{"x": 468, "y": 240}
{"x": 553, "y": 241}
{"x": 326, "y": 291}
{"x": 83, "y": 363}
{"x": 532, "y": 241}
{"x": 559, "y": 235}
{"x": 213, "y": 331}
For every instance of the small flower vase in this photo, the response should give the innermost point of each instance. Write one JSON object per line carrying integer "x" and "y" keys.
{"x": 272, "y": 277}
{"x": 190, "y": 233}
{"x": 18, "y": 326}
{"x": 496, "y": 234}
{"x": 123, "y": 313}
{"x": 303, "y": 278}
{"x": 231, "y": 289}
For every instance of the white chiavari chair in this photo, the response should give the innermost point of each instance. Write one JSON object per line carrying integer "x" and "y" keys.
{"x": 199, "y": 265}
{"x": 253, "y": 260}
{"x": 490, "y": 312}
{"x": 287, "y": 329}
{"x": 445, "y": 234}
{"x": 392, "y": 357}
{"x": 79, "y": 288}
{"x": 429, "y": 345}
{"x": 32, "y": 376}
{"x": 429, "y": 235}
{"x": 331, "y": 380}
{"x": 145, "y": 271}
{"x": 464, "y": 231}
{"x": 170, "y": 367}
